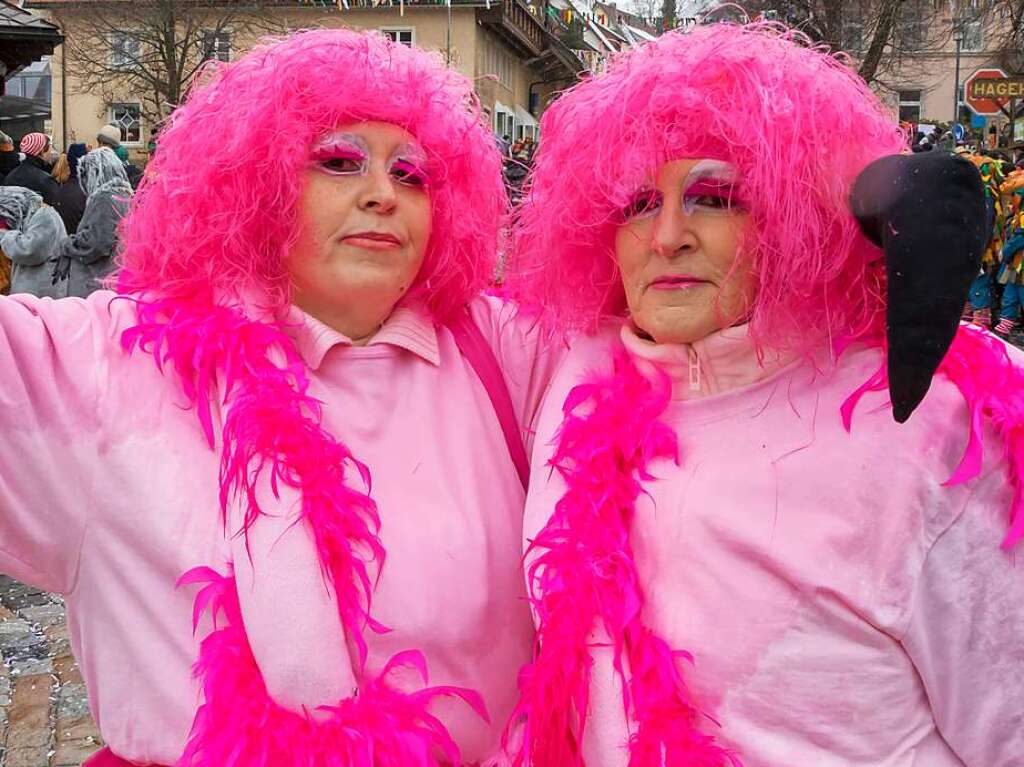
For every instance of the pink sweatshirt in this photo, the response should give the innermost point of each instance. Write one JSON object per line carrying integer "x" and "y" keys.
{"x": 108, "y": 493}
{"x": 843, "y": 608}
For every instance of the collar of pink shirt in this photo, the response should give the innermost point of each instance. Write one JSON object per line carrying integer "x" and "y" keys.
{"x": 408, "y": 327}
{"x": 720, "y": 362}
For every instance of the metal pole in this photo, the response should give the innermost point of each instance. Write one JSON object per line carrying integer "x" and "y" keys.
{"x": 956, "y": 83}
{"x": 448, "y": 35}
{"x": 1013, "y": 120}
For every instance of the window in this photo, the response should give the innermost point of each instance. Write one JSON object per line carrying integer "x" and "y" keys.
{"x": 911, "y": 27}
{"x": 124, "y": 49}
{"x": 974, "y": 36}
{"x": 963, "y": 113}
{"x": 498, "y": 62}
{"x": 33, "y": 82}
{"x": 217, "y": 45}
{"x": 910, "y": 106}
{"x": 34, "y": 87}
{"x": 129, "y": 117}
{"x": 526, "y": 131}
{"x": 403, "y": 36}
{"x": 504, "y": 122}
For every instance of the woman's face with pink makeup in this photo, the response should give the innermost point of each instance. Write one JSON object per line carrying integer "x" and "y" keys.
{"x": 365, "y": 214}
{"x": 676, "y": 249}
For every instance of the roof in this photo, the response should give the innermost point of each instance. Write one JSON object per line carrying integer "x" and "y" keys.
{"x": 638, "y": 33}
{"x": 15, "y": 19}
{"x": 24, "y": 37}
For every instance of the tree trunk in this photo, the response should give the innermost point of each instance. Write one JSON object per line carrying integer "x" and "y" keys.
{"x": 668, "y": 14}
{"x": 888, "y": 14}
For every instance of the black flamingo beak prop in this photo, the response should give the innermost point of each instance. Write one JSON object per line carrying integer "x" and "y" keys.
{"x": 927, "y": 213}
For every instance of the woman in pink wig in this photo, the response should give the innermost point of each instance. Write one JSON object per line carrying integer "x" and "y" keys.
{"x": 292, "y": 323}
{"x": 740, "y": 549}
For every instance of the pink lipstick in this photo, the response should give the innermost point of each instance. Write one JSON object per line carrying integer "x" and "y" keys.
{"x": 676, "y": 282}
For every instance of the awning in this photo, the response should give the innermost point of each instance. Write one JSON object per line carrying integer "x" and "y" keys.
{"x": 524, "y": 118}
{"x": 24, "y": 37}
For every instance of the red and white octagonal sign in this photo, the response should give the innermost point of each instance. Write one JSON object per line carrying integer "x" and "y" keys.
{"x": 980, "y": 91}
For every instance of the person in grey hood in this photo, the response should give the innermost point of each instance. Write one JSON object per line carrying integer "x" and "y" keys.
{"x": 87, "y": 256}
{"x": 30, "y": 235}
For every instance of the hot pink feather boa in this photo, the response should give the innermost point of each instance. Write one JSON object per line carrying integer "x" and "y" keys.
{"x": 273, "y": 425}
{"x": 582, "y": 571}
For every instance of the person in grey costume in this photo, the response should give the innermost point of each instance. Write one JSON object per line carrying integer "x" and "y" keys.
{"x": 32, "y": 238}
{"x": 87, "y": 256}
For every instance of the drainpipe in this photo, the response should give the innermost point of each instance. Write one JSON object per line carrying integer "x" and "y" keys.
{"x": 63, "y": 97}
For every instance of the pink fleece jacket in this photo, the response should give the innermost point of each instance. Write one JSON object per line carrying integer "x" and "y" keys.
{"x": 843, "y": 608}
{"x": 108, "y": 493}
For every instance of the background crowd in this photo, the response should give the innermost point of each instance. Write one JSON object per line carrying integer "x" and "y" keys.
{"x": 998, "y": 290}
{"x": 59, "y": 214}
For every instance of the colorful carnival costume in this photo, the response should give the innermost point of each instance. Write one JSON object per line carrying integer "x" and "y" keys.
{"x": 266, "y": 536}
{"x": 1011, "y": 268}
{"x": 979, "y": 309}
{"x": 740, "y": 549}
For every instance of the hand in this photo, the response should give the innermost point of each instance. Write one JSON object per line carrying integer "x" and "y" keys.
{"x": 61, "y": 270}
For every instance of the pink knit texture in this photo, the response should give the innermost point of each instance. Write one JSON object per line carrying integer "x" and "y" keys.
{"x": 33, "y": 143}
{"x": 993, "y": 388}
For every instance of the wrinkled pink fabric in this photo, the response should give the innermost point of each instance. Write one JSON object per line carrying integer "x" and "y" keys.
{"x": 108, "y": 493}
{"x": 843, "y": 608}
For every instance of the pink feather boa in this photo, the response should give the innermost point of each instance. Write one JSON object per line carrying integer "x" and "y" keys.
{"x": 273, "y": 425}
{"x": 241, "y": 726}
{"x": 583, "y": 574}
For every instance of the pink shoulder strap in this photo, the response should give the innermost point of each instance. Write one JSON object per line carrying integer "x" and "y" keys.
{"x": 478, "y": 353}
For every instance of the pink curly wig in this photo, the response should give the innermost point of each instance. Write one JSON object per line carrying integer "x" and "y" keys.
{"x": 797, "y": 123}
{"x": 218, "y": 213}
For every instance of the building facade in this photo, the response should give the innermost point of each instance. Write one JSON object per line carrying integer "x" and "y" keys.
{"x": 504, "y": 46}
{"x": 924, "y": 84}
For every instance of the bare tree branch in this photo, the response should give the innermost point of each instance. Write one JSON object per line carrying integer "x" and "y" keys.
{"x": 879, "y": 35}
{"x": 883, "y": 36}
{"x": 1009, "y": 31}
{"x": 164, "y": 43}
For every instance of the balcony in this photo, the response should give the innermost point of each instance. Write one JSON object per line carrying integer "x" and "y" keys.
{"x": 513, "y": 22}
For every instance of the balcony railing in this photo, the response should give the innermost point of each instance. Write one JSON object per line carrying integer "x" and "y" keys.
{"x": 384, "y": 4}
{"x": 515, "y": 23}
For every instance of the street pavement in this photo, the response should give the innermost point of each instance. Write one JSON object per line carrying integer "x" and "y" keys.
{"x": 44, "y": 714}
